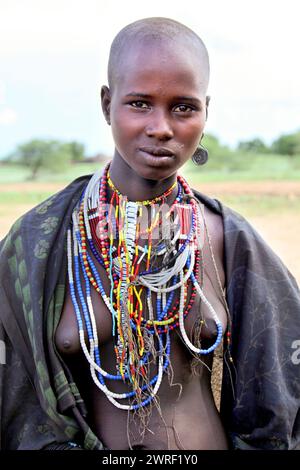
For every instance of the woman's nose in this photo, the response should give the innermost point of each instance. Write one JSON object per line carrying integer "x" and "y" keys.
{"x": 159, "y": 126}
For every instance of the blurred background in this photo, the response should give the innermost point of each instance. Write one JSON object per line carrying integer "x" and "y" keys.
{"x": 53, "y": 60}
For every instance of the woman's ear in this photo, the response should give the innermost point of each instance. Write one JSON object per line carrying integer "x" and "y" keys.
{"x": 207, "y": 100}
{"x": 105, "y": 103}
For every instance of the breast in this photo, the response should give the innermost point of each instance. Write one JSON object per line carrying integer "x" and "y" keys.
{"x": 67, "y": 335}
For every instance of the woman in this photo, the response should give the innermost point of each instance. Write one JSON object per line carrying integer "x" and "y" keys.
{"x": 116, "y": 291}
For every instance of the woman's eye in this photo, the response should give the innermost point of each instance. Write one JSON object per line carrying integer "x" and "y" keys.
{"x": 183, "y": 108}
{"x": 139, "y": 104}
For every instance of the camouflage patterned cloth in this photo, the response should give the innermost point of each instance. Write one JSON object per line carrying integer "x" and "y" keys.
{"x": 40, "y": 404}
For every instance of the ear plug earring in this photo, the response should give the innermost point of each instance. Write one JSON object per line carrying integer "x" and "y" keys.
{"x": 200, "y": 156}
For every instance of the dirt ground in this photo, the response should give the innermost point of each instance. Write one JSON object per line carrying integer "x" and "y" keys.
{"x": 280, "y": 229}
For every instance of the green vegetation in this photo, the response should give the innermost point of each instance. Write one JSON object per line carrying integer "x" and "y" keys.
{"x": 49, "y": 155}
{"x": 235, "y": 166}
{"x": 225, "y": 166}
{"x": 288, "y": 144}
{"x": 232, "y": 167}
{"x": 15, "y": 173}
{"x": 56, "y": 161}
{"x": 252, "y": 160}
{"x": 254, "y": 146}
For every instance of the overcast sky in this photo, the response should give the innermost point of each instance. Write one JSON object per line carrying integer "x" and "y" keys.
{"x": 53, "y": 58}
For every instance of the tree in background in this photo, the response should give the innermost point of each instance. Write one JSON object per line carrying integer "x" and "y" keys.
{"x": 256, "y": 145}
{"x": 220, "y": 156}
{"x": 213, "y": 145}
{"x": 288, "y": 144}
{"x": 48, "y": 155}
{"x": 76, "y": 149}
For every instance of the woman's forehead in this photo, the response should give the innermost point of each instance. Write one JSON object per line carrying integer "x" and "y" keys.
{"x": 149, "y": 70}
{"x": 159, "y": 51}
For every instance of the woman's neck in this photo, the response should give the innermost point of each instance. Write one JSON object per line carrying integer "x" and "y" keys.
{"x": 136, "y": 188}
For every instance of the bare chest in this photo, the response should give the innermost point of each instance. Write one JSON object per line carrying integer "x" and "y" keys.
{"x": 67, "y": 333}
{"x": 211, "y": 277}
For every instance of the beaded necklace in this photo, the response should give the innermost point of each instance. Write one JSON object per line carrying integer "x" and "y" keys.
{"x": 153, "y": 285}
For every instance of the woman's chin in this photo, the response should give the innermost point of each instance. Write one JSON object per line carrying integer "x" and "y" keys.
{"x": 155, "y": 173}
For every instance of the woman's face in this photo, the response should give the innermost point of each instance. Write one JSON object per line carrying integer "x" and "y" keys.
{"x": 157, "y": 109}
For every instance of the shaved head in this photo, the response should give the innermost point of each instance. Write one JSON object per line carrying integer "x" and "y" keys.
{"x": 158, "y": 32}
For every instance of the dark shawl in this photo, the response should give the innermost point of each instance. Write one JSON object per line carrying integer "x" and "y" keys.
{"x": 39, "y": 402}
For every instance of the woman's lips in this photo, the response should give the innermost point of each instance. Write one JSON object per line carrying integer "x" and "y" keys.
{"x": 157, "y": 157}
{"x": 158, "y": 151}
